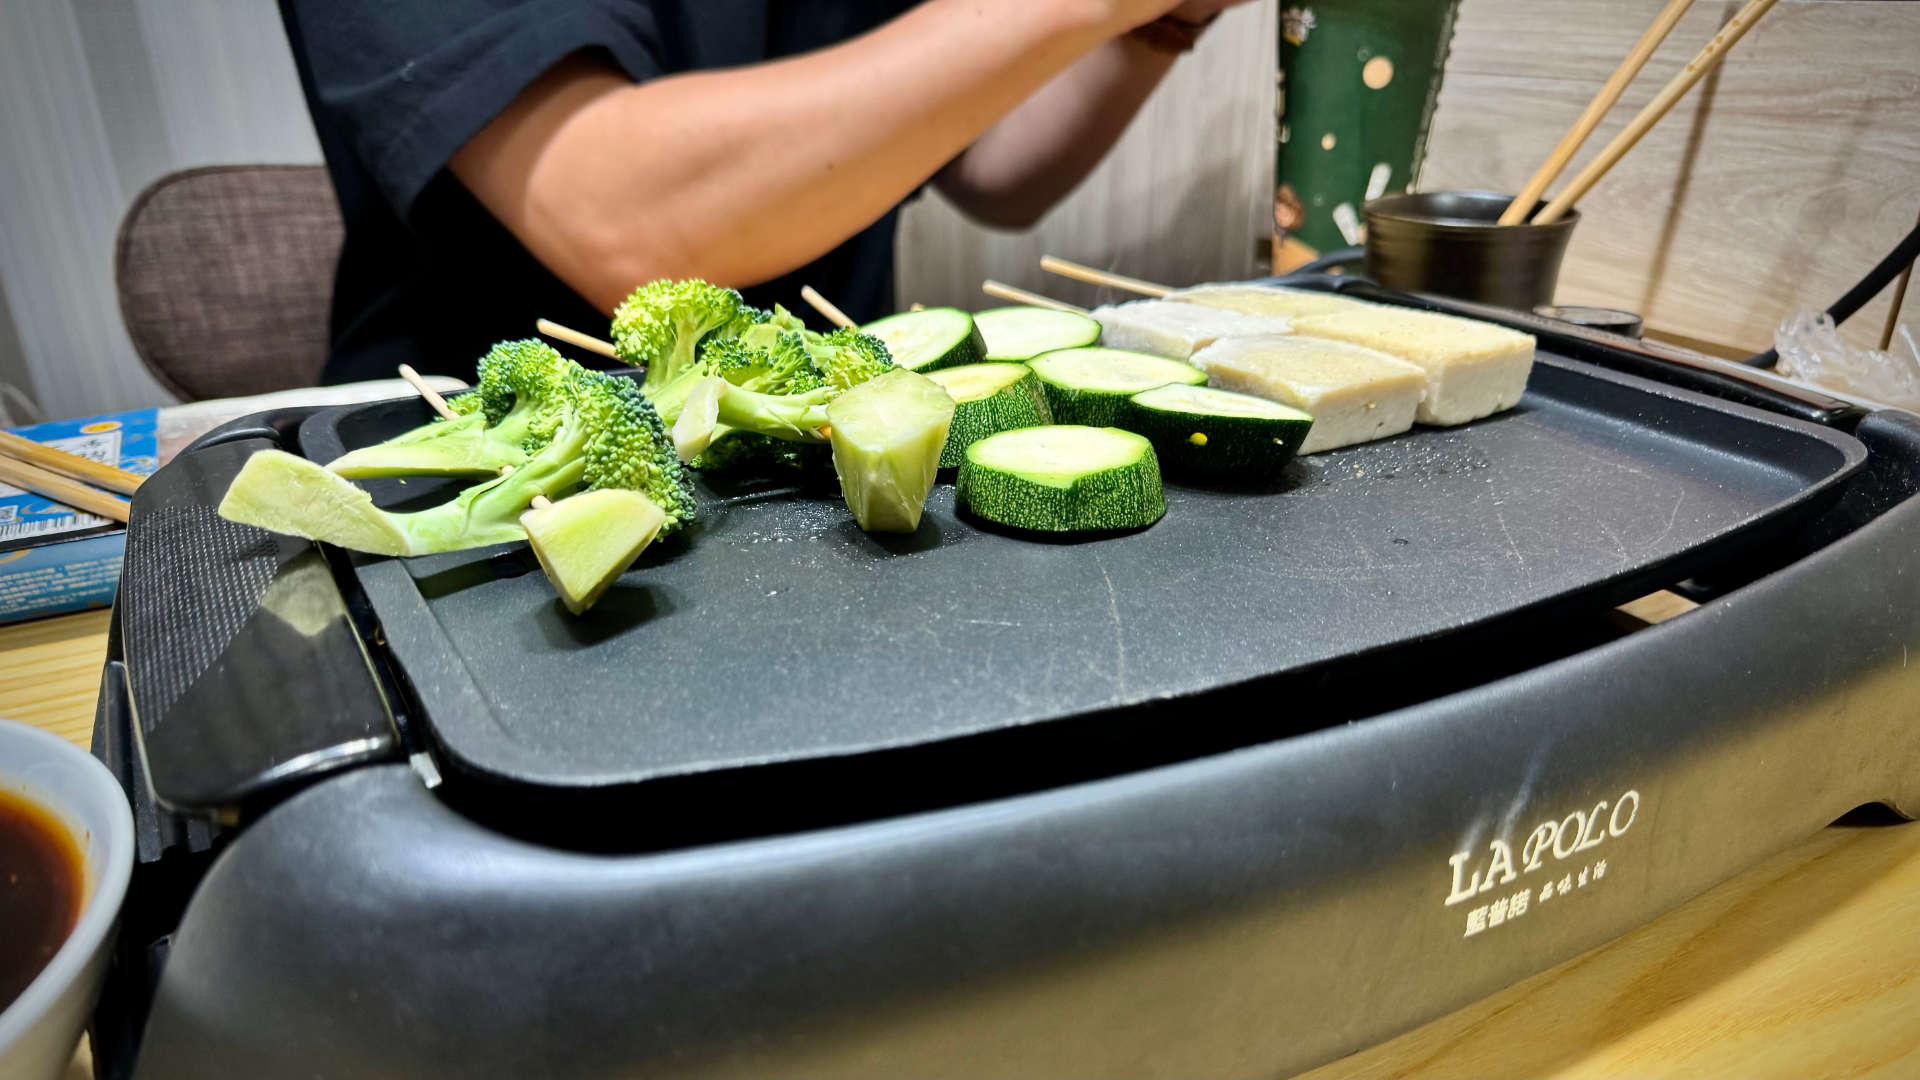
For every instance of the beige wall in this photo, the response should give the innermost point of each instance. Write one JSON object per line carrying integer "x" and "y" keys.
{"x": 1779, "y": 180}
{"x": 1187, "y": 195}
{"x": 97, "y": 99}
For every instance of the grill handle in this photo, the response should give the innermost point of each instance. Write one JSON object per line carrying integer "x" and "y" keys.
{"x": 245, "y": 676}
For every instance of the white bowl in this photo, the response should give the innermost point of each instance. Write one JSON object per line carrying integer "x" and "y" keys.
{"x": 40, "y": 1029}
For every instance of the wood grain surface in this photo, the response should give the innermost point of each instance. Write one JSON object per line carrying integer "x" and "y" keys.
{"x": 1806, "y": 965}
{"x": 1779, "y": 180}
{"x": 50, "y": 672}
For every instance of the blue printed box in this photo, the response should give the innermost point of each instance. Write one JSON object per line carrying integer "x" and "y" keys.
{"x": 54, "y": 558}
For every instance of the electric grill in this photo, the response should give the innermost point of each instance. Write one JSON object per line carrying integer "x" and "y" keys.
{"x": 1272, "y": 780}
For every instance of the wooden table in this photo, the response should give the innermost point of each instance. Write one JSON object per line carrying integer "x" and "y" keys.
{"x": 1807, "y": 965}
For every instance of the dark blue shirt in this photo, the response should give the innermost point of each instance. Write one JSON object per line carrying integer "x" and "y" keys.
{"x": 427, "y": 276}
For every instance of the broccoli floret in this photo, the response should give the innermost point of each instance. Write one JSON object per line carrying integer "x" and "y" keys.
{"x": 774, "y": 392}
{"x": 784, "y": 366}
{"x": 608, "y": 437}
{"x": 768, "y": 326}
{"x": 747, "y": 451}
{"x": 525, "y": 388}
{"x": 522, "y": 393}
{"x": 662, "y": 325}
{"x": 846, "y": 358}
{"x": 778, "y": 376}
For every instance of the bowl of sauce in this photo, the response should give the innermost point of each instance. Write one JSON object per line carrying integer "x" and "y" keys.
{"x": 66, "y": 852}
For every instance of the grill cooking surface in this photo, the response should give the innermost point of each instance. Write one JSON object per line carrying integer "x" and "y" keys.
{"x": 780, "y": 632}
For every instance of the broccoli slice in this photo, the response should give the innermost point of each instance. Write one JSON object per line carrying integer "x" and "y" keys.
{"x": 662, "y": 325}
{"x": 610, "y": 437}
{"x": 522, "y": 393}
{"x": 887, "y": 436}
{"x": 585, "y": 542}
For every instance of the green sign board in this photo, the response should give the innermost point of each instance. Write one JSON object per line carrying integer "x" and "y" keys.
{"x": 1358, "y": 81}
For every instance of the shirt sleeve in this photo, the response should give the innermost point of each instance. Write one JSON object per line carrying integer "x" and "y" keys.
{"x": 409, "y": 83}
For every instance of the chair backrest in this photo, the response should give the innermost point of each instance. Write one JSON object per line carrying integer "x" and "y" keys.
{"x": 225, "y": 277}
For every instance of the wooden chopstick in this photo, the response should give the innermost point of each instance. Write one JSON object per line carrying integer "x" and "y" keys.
{"x": 824, "y": 306}
{"x": 1676, "y": 89}
{"x": 1021, "y": 296}
{"x": 1088, "y": 274}
{"x": 71, "y": 465}
{"x": 60, "y": 489}
{"x": 574, "y": 337}
{"x": 1570, "y": 143}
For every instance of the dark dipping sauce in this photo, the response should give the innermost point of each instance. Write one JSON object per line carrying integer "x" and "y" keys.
{"x": 40, "y": 883}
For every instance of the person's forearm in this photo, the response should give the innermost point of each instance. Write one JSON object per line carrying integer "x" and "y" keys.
{"x": 1045, "y": 147}
{"x": 741, "y": 175}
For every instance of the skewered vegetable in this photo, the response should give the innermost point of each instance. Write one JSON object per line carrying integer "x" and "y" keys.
{"x": 1201, "y": 431}
{"x": 1088, "y": 386}
{"x": 988, "y": 399}
{"x": 930, "y": 339}
{"x": 887, "y": 437}
{"x": 585, "y": 542}
{"x": 1022, "y": 333}
{"x": 606, "y": 436}
{"x": 1063, "y": 479}
{"x": 512, "y": 412}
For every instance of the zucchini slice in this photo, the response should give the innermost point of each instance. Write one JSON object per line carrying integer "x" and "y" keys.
{"x": 1088, "y": 386}
{"x": 887, "y": 436}
{"x": 930, "y": 339}
{"x": 1201, "y": 431}
{"x": 1022, "y": 333}
{"x": 989, "y": 399}
{"x": 1063, "y": 479}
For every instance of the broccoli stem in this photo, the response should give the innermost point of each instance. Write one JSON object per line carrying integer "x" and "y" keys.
{"x": 462, "y": 446}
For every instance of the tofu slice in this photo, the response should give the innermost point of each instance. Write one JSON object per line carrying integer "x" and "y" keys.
{"x": 1354, "y": 394}
{"x": 1474, "y": 369}
{"x": 1166, "y": 328}
{"x": 1272, "y": 301}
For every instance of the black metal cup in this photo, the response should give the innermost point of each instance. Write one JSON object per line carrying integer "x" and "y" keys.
{"x": 1450, "y": 243}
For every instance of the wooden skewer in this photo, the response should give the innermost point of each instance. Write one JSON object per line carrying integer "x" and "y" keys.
{"x": 540, "y": 502}
{"x": 574, "y": 337}
{"x": 1697, "y": 67}
{"x": 60, "y": 489}
{"x": 1088, "y": 274}
{"x": 428, "y": 393}
{"x": 1021, "y": 296}
{"x": 824, "y": 306}
{"x": 73, "y": 465}
{"x": 1569, "y": 144}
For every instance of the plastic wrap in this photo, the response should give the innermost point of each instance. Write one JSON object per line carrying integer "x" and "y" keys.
{"x": 1810, "y": 348}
